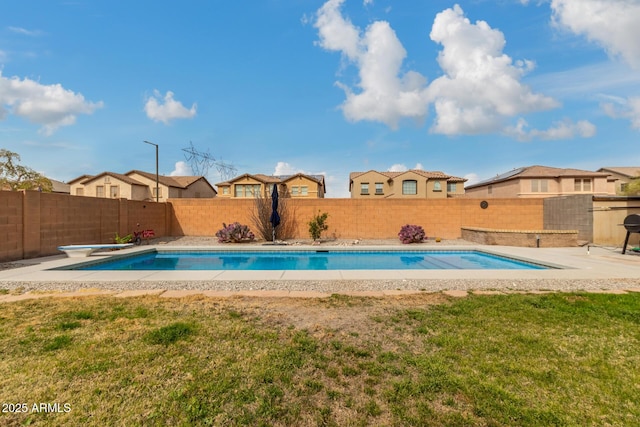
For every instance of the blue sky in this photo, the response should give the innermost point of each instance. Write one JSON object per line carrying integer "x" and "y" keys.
{"x": 473, "y": 88}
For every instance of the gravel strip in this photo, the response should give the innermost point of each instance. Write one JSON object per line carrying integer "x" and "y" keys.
{"x": 337, "y": 286}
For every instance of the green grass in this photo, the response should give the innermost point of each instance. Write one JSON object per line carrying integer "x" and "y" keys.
{"x": 526, "y": 360}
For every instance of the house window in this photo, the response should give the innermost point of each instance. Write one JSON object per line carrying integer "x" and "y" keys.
{"x": 159, "y": 192}
{"x": 225, "y": 190}
{"x": 294, "y": 190}
{"x": 623, "y": 187}
{"x": 451, "y": 187}
{"x": 252, "y": 190}
{"x": 539, "y": 186}
{"x": 107, "y": 180}
{"x": 114, "y": 191}
{"x": 364, "y": 188}
{"x": 269, "y": 189}
{"x": 99, "y": 190}
{"x": 79, "y": 191}
{"x": 239, "y": 190}
{"x": 304, "y": 190}
{"x": 379, "y": 188}
{"x": 437, "y": 186}
{"x": 490, "y": 189}
{"x": 582, "y": 184}
{"x": 410, "y": 186}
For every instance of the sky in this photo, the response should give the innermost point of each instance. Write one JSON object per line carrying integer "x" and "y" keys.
{"x": 473, "y": 89}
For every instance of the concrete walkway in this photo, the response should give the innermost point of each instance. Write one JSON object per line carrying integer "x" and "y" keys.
{"x": 574, "y": 264}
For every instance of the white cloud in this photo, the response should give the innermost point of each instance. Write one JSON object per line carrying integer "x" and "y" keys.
{"x": 566, "y": 129}
{"x": 181, "y": 169}
{"x": 383, "y": 93}
{"x": 399, "y": 167}
{"x": 50, "y": 106}
{"x": 24, "y": 31}
{"x": 471, "y": 178}
{"x": 481, "y": 85}
{"x": 169, "y": 110}
{"x": 284, "y": 168}
{"x": 628, "y": 108}
{"x": 613, "y": 24}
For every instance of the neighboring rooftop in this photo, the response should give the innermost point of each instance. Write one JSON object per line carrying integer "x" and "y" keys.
{"x": 538, "y": 171}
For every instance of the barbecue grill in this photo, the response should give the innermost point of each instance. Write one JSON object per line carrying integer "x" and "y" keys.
{"x": 632, "y": 225}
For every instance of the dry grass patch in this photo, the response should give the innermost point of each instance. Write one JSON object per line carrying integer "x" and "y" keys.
{"x": 501, "y": 360}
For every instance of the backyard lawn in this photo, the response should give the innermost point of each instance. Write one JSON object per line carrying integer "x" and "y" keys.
{"x": 486, "y": 360}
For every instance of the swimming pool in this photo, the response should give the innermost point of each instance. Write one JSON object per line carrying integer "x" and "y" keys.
{"x": 311, "y": 260}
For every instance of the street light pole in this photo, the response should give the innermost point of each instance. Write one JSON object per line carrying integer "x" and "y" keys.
{"x": 157, "y": 181}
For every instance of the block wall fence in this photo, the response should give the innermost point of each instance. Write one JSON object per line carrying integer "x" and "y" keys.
{"x": 34, "y": 224}
{"x": 364, "y": 219}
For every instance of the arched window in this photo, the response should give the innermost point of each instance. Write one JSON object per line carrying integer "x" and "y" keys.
{"x": 437, "y": 186}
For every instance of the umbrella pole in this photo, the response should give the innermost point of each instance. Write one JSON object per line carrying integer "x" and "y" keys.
{"x": 274, "y": 234}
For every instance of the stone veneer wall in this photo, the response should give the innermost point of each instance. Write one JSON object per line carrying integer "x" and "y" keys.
{"x": 524, "y": 238}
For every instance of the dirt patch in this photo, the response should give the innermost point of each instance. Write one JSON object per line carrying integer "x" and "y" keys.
{"x": 337, "y": 314}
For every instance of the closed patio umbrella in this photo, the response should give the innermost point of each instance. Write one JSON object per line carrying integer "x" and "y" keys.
{"x": 275, "y": 217}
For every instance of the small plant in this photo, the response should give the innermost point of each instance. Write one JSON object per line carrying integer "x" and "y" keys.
{"x": 234, "y": 233}
{"x": 317, "y": 225}
{"x": 411, "y": 234}
{"x": 124, "y": 239}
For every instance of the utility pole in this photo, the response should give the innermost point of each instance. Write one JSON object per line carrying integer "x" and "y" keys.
{"x": 157, "y": 180}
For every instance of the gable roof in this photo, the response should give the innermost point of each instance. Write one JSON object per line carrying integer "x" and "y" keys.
{"x": 118, "y": 176}
{"x": 272, "y": 179}
{"x": 80, "y": 179}
{"x": 423, "y": 173}
{"x": 627, "y": 171}
{"x": 182, "y": 182}
{"x": 538, "y": 171}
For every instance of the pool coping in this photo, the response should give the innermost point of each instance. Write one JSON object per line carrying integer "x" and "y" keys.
{"x": 579, "y": 263}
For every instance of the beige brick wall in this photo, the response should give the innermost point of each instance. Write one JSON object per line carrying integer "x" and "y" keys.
{"x": 34, "y": 224}
{"x": 359, "y": 219}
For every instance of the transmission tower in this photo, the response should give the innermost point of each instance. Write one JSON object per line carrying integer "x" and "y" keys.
{"x": 201, "y": 162}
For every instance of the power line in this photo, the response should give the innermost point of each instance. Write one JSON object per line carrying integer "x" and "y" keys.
{"x": 200, "y": 163}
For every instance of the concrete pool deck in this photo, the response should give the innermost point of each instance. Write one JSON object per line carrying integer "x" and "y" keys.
{"x": 589, "y": 265}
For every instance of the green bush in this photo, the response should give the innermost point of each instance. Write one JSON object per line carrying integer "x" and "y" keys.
{"x": 317, "y": 225}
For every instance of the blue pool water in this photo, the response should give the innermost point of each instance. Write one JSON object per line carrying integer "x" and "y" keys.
{"x": 313, "y": 260}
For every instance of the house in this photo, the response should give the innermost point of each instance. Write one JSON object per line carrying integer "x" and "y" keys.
{"x": 411, "y": 184}
{"x": 139, "y": 185}
{"x": 623, "y": 175}
{"x": 299, "y": 185}
{"x": 543, "y": 181}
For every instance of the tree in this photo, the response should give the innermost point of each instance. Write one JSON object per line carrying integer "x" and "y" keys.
{"x": 632, "y": 188}
{"x": 14, "y": 176}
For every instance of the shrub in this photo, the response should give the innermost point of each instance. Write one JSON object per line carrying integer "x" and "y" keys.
{"x": 234, "y": 233}
{"x": 261, "y": 218}
{"x": 411, "y": 234}
{"x": 317, "y": 225}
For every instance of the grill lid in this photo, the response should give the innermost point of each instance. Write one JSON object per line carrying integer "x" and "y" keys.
{"x": 632, "y": 223}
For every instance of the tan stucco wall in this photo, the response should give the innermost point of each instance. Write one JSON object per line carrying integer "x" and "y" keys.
{"x": 555, "y": 187}
{"x": 125, "y": 189}
{"x": 393, "y": 188}
{"x": 313, "y": 188}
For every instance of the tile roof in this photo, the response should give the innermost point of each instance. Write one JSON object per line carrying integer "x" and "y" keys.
{"x": 272, "y": 179}
{"x": 119, "y": 176}
{"x": 169, "y": 181}
{"x": 426, "y": 174}
{"x": 629, "y": 171}
{"x": 538, "y": 171}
